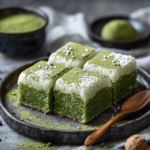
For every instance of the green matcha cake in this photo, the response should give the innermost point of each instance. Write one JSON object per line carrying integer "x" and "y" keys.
{"x": 121, "y": 69}
{"x": 82, "y": 95}
{"x": 36, "y": 84}
{"x": 72, "y": 55}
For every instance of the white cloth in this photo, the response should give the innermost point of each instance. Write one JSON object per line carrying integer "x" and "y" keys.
{"x": 64, "y": 28}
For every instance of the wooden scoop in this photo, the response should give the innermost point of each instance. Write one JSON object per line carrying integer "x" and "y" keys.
{"x": 135, "y": 103}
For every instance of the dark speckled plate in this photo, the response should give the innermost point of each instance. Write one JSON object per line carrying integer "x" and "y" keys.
{"x": 52, "y": 128}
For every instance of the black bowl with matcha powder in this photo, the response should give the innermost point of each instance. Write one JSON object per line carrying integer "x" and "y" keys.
{"x": 22, "y": 30}
{"x": 119, "y": 31}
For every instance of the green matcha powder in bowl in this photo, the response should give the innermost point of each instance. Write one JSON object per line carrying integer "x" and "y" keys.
{"x": 20, "y": 23}
{"x": 119, "y": 30}
{"x": 22, "y": 30}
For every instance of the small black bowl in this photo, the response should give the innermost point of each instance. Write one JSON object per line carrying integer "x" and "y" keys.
{"x": 21, "y": 44}
{"x": 143, "y": 29}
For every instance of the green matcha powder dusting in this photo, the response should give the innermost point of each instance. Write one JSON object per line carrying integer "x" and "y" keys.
{"x": 20, "y": 23}
{"x": 46, "y": 123}
{"x": 28, "y": 117}
{"x": 12, "y": 95}
{"x": 35, "y": 145}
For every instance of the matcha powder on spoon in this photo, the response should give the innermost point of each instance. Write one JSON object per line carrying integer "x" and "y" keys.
{"x": 20, "y": 23}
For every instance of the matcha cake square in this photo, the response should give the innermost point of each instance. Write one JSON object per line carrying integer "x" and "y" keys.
{"x": 82, "y": 95}
{"x": 121, "y": 69}
{"x": 72, "y": 55}
{"x": 35, "y": 85}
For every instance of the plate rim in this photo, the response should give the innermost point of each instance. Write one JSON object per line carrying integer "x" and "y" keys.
{"x": 5, "y": 111}
{"x": 30, "y": 63}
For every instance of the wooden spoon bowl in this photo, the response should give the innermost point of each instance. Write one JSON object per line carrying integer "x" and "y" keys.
{"x": 134, "y": 104}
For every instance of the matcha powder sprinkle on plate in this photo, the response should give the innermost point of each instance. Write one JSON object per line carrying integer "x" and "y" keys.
{"x": 30, "y": 118}
{"x": 12, "y": 95}
{"x": 35, "y": 145}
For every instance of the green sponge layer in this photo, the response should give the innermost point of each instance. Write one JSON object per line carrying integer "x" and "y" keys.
{"x": 37, "y": 99}
{"x": 36, "y": 85}
{"x": 74, "y": 107}
{"x": 124, "y": 85}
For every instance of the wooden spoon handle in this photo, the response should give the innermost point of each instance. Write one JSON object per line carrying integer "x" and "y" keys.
{"x": 92, "y": 138}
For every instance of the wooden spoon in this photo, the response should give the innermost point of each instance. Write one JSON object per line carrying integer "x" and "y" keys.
{"x": 135, "y": 103}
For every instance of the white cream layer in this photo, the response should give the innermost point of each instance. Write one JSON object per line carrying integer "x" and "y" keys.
{"x": 84, "y": 92}
{"x": 70, "y": 63}
{"x": 41, "y": 84}
{"x": 113, "y": 74}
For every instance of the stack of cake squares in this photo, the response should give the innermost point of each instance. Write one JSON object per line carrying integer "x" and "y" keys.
{"x": 76, "y": 82}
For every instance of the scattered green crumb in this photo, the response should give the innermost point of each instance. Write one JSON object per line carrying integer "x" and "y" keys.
{"x": 20, "y": 109}
{"x": 15, "y": 104}
{"x": 49, "y": 144}
{"x": 122, "y": 122}
{"x": 121, "y": 141}
{"x": 28, "y": 117}
{"x": 102, "y": 144}
{"x": 35, "y": 145}
{"x": 5, "y": 138}
{"x": 13, "y": 112}
{"x": 12, "y": 95}
{"x": 87, "y": 127}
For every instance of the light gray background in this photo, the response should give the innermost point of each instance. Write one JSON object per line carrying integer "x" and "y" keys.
{"x": 92, "y": 9}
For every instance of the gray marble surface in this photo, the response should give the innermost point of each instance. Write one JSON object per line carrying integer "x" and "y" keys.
{"x": 93, "y": 9}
